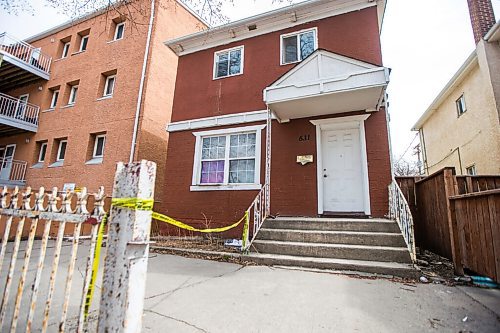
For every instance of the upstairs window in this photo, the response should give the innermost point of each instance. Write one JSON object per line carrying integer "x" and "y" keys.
{"x": 84, "y": 42}
{"x": 119, "y": 30}
{"x": 72, "y": 95}
{"x": 109, "y": 86}
{"x": 461, "y": 107}
{"x": 99, "y": 146}
{"x": 471, "y": 170}
{"x": 65, "y": 50}
{"x": 55, "y": 96}
{"x": 298, "y": 45}
{"x": 228, "y": 62}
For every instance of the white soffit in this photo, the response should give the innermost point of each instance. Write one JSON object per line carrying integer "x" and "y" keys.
{"x": 265, "y": 23}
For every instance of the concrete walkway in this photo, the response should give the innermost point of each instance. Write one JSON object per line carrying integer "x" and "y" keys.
{"x": 191, "y": 295}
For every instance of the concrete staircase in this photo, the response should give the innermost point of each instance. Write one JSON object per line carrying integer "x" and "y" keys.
{"x": 364, "y": 245}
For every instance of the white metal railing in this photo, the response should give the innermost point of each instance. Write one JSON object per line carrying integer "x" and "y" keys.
{"x": 18, "y": 110}
{"x": 13, "y": 170}
{"x": 256, "y": 213}
{"x": 25, "y": 52}
{"x": 399, "y": 210}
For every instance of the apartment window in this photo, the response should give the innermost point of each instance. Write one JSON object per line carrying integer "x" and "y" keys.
{"x": 461, "y": 107}
{"x": 42, "y": 152}
{"x": 72, "y": 95}
{"x": 55, "y": 96}
{"x": 99, "y": 146}
{"x": 471, "y": 170}
{"x": 227, "y": 159}
{"x": 65, "y": 50}
{"x": 119, "y": 30}
{"x": 298, "y": 45}
{"x": 109, "y": 86}
{"x": 61, "y": 150}
{"x": 84, "y": 42}
{"x": 228, "y": 62}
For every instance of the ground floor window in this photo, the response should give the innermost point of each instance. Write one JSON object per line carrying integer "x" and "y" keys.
{"x": 228, "y": 157}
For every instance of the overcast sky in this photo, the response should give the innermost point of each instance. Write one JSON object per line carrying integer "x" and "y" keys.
{"x": 424, "y": 42}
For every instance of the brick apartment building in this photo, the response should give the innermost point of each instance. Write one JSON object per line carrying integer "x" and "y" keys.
{"x": 70, "y": 97}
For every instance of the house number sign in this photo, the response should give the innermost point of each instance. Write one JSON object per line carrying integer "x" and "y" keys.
{"x": 306, "y": 137}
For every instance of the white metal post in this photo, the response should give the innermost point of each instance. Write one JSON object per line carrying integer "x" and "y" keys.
{"x": 125, "y": 265}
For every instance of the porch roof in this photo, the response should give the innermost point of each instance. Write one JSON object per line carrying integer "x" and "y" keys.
{"x": 327, "y": 83}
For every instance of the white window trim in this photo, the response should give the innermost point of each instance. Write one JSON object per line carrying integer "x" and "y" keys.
{"x": 106, "y": 85}
{"x": 461, "y": 100}
{"x": 52, "y": 104}
{"x": 195, "y": 183}
{"x": 242, "y": 48}
{"x": 72, "y": 98}
{"x": 59, "y": 150}
{"x": 121, "y": 24}
{"x": 43, "y": 144}
{"x": 81, "y": 43}
{"x": 296, "y": 33}
{"x": 95, "y": 146}
{"x": 63, "y": 55}
{"x": 472, "y": 166}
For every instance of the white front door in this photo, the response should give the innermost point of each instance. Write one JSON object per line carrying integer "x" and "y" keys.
{"x": 342, "y": 171}
{"x": 6, "y": 161}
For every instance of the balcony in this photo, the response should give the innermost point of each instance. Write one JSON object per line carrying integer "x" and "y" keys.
{"x": 21, "y": 63}
{"x": 12, "y": 172}
{"x": 17, "y": 116}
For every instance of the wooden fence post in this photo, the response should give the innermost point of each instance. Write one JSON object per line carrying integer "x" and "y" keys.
{"x": 451, "y": 189}
{"x": 125, "y": 265}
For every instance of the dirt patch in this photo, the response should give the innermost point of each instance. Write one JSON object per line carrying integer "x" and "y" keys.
{"x": 198, "y": 243}
{"x": 437, "y": 269}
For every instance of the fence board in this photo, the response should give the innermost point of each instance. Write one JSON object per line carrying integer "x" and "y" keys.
{"x": 478, "y": 223}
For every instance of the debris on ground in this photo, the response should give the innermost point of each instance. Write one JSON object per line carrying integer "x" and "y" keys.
{"x": 197, "y": 242}
{"x": 437, "y": 269}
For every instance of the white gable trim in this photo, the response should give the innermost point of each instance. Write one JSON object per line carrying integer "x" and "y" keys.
{"x": 316, "y": 54}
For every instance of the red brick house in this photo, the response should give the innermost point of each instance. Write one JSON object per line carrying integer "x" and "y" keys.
{"x": 316, "y": 69}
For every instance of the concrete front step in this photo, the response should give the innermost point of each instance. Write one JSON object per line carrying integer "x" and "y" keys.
{"x": 374, "y": 267}
{"x": 303, "y": 223}
{"x": 337, "y": 251}
{"x": 337, "y": 237}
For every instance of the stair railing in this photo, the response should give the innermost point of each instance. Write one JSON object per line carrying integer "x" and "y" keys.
{"x": 399, "y": 210}
{"x": 255, "y": 215}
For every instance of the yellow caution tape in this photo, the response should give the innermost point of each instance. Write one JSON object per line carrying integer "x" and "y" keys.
{"x": 95, "y": 265}
{"x": 147, "y": 204}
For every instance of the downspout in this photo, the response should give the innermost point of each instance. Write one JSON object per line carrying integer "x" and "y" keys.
{"x": 141, "y": 85}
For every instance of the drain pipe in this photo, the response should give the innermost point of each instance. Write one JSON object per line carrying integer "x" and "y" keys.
{"x": 141, "y": 85}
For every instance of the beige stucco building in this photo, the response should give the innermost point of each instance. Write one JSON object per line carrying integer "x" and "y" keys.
{"x": 461, "y": 128}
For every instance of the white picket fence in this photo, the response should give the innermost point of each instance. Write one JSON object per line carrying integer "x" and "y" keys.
{"x": 48, "y": 292}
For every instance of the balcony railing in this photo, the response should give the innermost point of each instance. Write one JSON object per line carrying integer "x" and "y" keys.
{"x": 27, "y": 54}
{"x": 12, "y": 171}
{"x": 18, "y": 113}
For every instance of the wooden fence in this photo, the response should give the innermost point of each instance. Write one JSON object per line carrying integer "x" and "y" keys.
{"x": 455, "y": 217}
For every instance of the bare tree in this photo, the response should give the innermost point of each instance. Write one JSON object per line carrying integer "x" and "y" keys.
{"x": 404, "y": 167}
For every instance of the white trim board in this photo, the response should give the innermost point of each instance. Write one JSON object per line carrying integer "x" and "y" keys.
{"x": 229, "y": 119}
{"x": 341, "y": 123}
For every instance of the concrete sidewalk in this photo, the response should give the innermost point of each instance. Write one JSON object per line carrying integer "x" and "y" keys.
{"x": 192, "y": 295}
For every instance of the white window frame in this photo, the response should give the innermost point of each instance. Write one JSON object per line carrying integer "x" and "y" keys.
{"x": 471, "y": 167}
{"x": 81, "y": 43}
{"x": 297, "y": 34}
{"x": 121, "y": 24}
{"x": 195, "y": 183}
{"x": 72, "y": 97}
{"x": 65, "y": 51}
{"x": 58, "y": 159}
{"x": 106, "y": 85}
{"x": 42, "y": 145}
{"x": 96, "y": 139}
{"x": 53, "y": 101}
{"x": 460, "y": 103}
{"x": 242, "y": 48}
